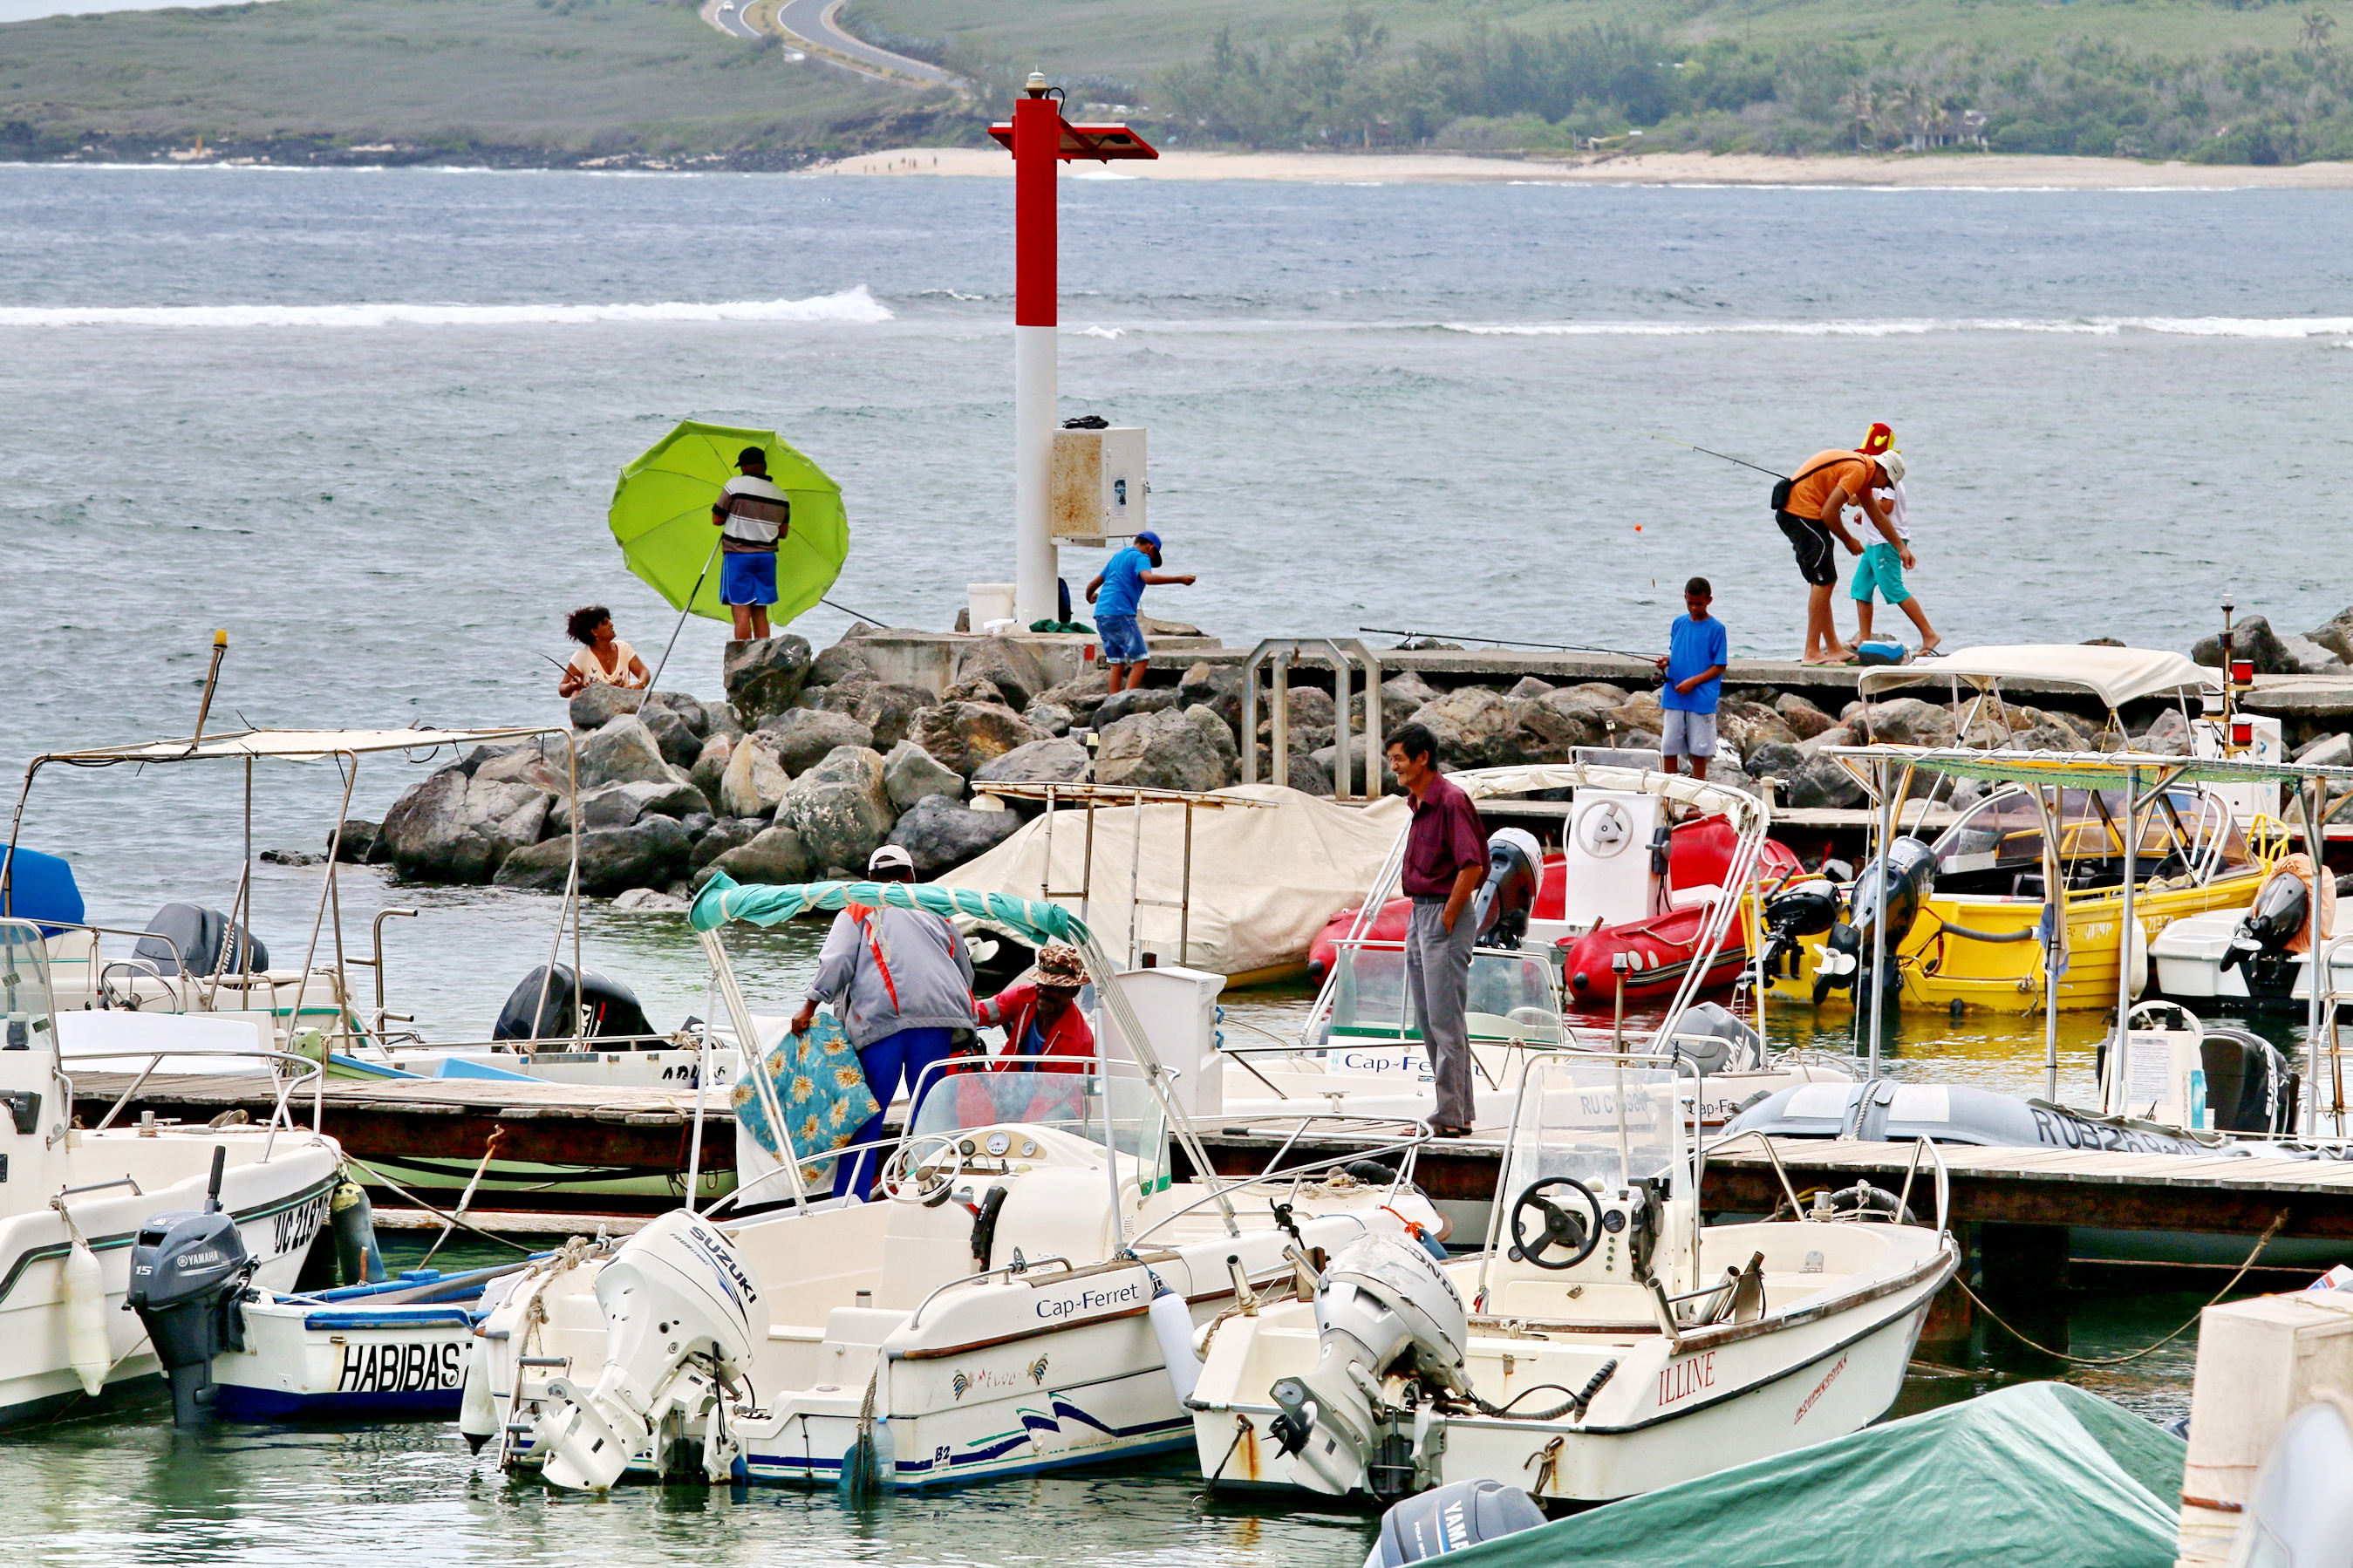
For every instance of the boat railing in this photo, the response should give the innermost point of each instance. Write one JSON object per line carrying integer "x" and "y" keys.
{"x": 1944, "y": 1183}
{"x": 1410, "y": 1146}
{"x": 296, "y": 1072}
{"x": 1009, "y": 1270}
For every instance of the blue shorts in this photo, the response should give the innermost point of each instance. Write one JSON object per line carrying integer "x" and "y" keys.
{"x": 748, "y": 579}
{"x": 1881, "y": 568}
{"x": 1122, "y": 643}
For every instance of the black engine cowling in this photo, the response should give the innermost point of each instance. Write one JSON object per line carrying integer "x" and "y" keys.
{"x": 609, "y": 1008}
{"x": 191, "y": 938}
{"x": 1891, "y": 888}
{"x": 188, "y": 1271}
{"x": 2251, "y": 1084}
{"x": 2277, "y": 915}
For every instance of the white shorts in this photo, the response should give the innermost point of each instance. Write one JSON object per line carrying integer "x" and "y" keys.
{"x": 1687, "y": 734}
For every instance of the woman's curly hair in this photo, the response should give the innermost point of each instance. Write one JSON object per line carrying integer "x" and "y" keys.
{"x": 581, "y": 625}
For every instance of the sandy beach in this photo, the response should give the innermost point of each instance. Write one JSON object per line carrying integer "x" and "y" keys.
{"x": 1982, "y": 171}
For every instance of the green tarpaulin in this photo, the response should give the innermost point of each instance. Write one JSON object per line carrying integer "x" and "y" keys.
{"x": 723, "y": 900}
{"x": 2039, "y": 1476}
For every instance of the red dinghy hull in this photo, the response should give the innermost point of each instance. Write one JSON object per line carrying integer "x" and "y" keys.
{"x": 1663, "y": 949}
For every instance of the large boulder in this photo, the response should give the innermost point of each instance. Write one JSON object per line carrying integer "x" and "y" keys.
{"x": 1051, "y": 717}
{"x": 1327, "y": 760}
{"x": 623, "y": 751}
{"x": 1083, "y": 694}
{"x": 839, "y": 662}
{"x": 1310, "y": 773}
{"x": 452, "y": 828}
{"x": 1773, "y": 760}
{"x": 964, "y": 737}
{"x": 1016, "y": 668}
{"x": 940, "y": 834}
{"x": 619, "y": 804}
{"x": 356, "y": 844}
{"x": 1554, "y": 726}
{"x": 651, "y": 852}
{"x": 772, "y": 854}
{"x": 678, "y": 725}
{"x": 911, "y": 773}
{"x": 711, "y": 764}
{"x": 1801, "y": 716}
{"x": 801, "y": 737}
{"x": 754, "y": 780}
{"x": 1187, "y": 750}
{"x": 594, "y": 707}
{"x": 1050, "y": 761}
{"x": 2336, "y": 633}
{"x": 763, "y": 676}
{"x": 727, "y": 833}
{"x": 1135, "y": 699}
{"x": 1819, "y": 782}
{"x": 839, "y": 809}
{"x": 541, "y": 764}
{"x": 1836, "y": 735}
{"x": 2253, "y": 639}
{"x": 1909, "y": 721}
{"x": 1218, "y": 687}
{"x": 1409, "y": 688}
{"x": 1475, "y": 728}
{"x": 888, "y": 710}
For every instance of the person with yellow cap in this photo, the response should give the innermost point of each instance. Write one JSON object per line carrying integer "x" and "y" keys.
{"x": 1884, "y": 562}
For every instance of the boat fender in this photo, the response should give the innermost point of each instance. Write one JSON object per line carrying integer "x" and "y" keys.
{"x": 478, "y": 1411}
{"x": 1450, "y": 1518}
{"x": 1172, "y": 1326}
{"x": 352, "y": 1220}
{"x": 85, "y": 1293}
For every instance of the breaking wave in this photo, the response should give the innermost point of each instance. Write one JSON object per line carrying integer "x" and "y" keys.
{"x": 2098, "y": 326}
{"x": 856, "y": 307}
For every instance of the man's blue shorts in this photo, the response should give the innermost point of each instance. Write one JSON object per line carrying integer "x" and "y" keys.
{"x": 1881, "y": 568}
{"x": 747, "y": 579}
{"x": 1122, "y": 641}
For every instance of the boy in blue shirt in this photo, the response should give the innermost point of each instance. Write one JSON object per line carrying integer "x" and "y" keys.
{"x": 1116, "y": 592}
{"x": 1697, "y": 651}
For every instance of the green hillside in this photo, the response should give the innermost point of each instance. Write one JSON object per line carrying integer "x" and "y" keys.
{"x": 501, "y": 80}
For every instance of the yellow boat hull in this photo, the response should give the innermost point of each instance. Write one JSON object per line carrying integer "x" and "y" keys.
{"x": 1940, "y": 968}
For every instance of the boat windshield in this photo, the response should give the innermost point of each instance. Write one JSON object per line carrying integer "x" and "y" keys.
{"x": 1605, "y": 1122}
{"x": 24, "y": 988}
{"x": 967, "y": 1095}
{"x": 1512, "y": 994}
{"x": 2184, "y": 833}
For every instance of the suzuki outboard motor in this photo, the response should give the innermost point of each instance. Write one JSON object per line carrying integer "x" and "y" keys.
{"x": 193, "y": 939}
{"x": 1896, "y": 883}
{"x": 1383, "y": 1308}
{"x": 610, "y": 1008}
{"x": 1450, "y": 1518}
{"x": 1514, "y": 870}
{"x": 188, "y": 1272}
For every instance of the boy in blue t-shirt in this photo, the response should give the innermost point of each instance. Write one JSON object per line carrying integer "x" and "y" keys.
{"x": 1116, "y": 592}
{"x": 1697, "y": 651}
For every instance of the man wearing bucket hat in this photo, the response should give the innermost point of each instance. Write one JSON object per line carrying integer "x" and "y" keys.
{"x": 901, "y": 982}
{"x": 1117, "y": 592}
{"x": 1041, "y": 1015}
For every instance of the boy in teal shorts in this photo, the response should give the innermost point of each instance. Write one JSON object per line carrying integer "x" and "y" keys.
{"x": 1884, "y": 562}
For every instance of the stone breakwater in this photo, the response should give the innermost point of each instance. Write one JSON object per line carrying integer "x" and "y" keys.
{"x": 816, "y": 758}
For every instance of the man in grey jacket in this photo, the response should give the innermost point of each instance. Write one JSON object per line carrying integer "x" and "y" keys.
{"x": 901, "y": 982}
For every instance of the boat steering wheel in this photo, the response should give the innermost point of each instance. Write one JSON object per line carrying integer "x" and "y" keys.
{"x": 1581, "y": 1233}
{"x": 915, "y": 1173}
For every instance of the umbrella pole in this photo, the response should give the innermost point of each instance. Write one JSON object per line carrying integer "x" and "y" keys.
{"x": 653, "y": 681}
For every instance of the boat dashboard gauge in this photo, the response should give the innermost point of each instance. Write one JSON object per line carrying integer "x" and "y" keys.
{"x": 967, "y": 1148}
{"x": 1613, "y": 1221}
{"x": 1028, "y": 1149}
{"x": 998, "y": 1142}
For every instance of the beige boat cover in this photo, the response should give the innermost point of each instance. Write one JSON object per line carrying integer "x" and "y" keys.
{"x": 1266, "y": 879}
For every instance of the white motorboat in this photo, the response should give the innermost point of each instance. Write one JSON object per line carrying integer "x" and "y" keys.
{"x": 204, "y": 1211}
{"x": 1360, "y": 1054}
{"x": 1009, "y": 1305}
{"x": 1611, "y": 1344}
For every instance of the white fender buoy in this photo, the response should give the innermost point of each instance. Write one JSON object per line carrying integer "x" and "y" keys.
{"x": 478, "y": 1412}
{"x": 2135, "y": 957}
{"x": 85, "y": 1317}
{"x": 1172, "y": 1326}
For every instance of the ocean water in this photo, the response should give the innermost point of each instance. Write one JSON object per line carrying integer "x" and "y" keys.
{"x": 368, "y": 422}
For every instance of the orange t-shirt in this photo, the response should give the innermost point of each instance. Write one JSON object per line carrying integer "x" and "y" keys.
{"x": 1824, "y": 472}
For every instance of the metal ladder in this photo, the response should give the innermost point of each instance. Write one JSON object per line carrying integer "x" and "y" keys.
{"x": 1347, "y": 656}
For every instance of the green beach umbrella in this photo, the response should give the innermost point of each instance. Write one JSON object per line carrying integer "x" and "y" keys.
{"x": 661, "y": 517}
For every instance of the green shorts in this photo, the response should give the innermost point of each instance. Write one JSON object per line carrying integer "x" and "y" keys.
{"x": 1879, "y": 568}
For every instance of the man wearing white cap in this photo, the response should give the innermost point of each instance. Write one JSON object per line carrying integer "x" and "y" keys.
{"x": 901, "y": 982}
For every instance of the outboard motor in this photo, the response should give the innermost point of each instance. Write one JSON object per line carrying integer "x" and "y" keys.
{"x": 193, "y": 939}
{"x": 2282, "y": 908}
{"x": 1514, "y": 870}
{"x": 1384, "y": 1307}
{"x": 1713, "y": 1040}
{"x": 2251, "y": 1084}
{"x": 188, "y": 1272}
{"x": 1808, "y": 909}
{"x": 1895, "y": 883}
{"x": 609, "y": 1008}
{"x": 1450, "y": 1518}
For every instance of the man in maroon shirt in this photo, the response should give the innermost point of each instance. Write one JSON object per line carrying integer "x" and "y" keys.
{"x": 1445, "y": 861}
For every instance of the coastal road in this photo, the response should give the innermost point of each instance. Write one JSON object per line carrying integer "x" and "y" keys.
{"x": 815, "y": 25}
{"x": 727, "y": 15}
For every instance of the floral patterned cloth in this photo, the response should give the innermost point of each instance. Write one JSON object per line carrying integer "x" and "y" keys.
{"x": 822, "y": 1091}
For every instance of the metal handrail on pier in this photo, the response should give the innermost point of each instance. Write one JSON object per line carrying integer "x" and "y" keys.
{"x": 1346, "y": 657}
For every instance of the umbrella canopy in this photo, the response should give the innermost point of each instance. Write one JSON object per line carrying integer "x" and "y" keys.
{"x": 661, "y": 517}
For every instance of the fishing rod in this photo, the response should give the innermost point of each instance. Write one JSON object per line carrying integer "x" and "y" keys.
{"x": 1670, "y": 440}
{"x": 1513, "y": 642}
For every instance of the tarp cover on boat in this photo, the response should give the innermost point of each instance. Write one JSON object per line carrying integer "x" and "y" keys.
{"x": 1266, "y": 879}
{"x": 2025, "y": 1477}
{"x": 2115, "y": 675}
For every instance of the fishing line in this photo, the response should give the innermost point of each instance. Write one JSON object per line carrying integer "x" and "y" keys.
{"x": 1513, "y": 642}
{"x": 845, "y": 609}
{"x": 1670, "y": 440}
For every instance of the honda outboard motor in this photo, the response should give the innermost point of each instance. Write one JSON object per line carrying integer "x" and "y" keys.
{"x": 1450, "y": 1518}
{"x": 1895, "y": 883}
{"x": 609, "y": 1008}
{"x": 190, "y": 939}
{"x": 1514, "y": 870}
{"x": 188, "y": 1272}
{"x": 1383, "y": 1309}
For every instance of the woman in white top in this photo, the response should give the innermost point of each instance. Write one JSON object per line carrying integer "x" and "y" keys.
{"x": 604, "y": 659}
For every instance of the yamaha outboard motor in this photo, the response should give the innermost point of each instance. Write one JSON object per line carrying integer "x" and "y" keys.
{"x": 609, "y": 1008}
{"x": 193, "y": 939}
{"x": 1450, "y": 1518}
{"x": 1896, "y": 883}
{"x": 1514, "y": 870}
{"x": 188, "y": 1272}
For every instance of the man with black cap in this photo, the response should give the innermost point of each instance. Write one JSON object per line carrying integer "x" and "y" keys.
{"x": 752, "y": 515}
